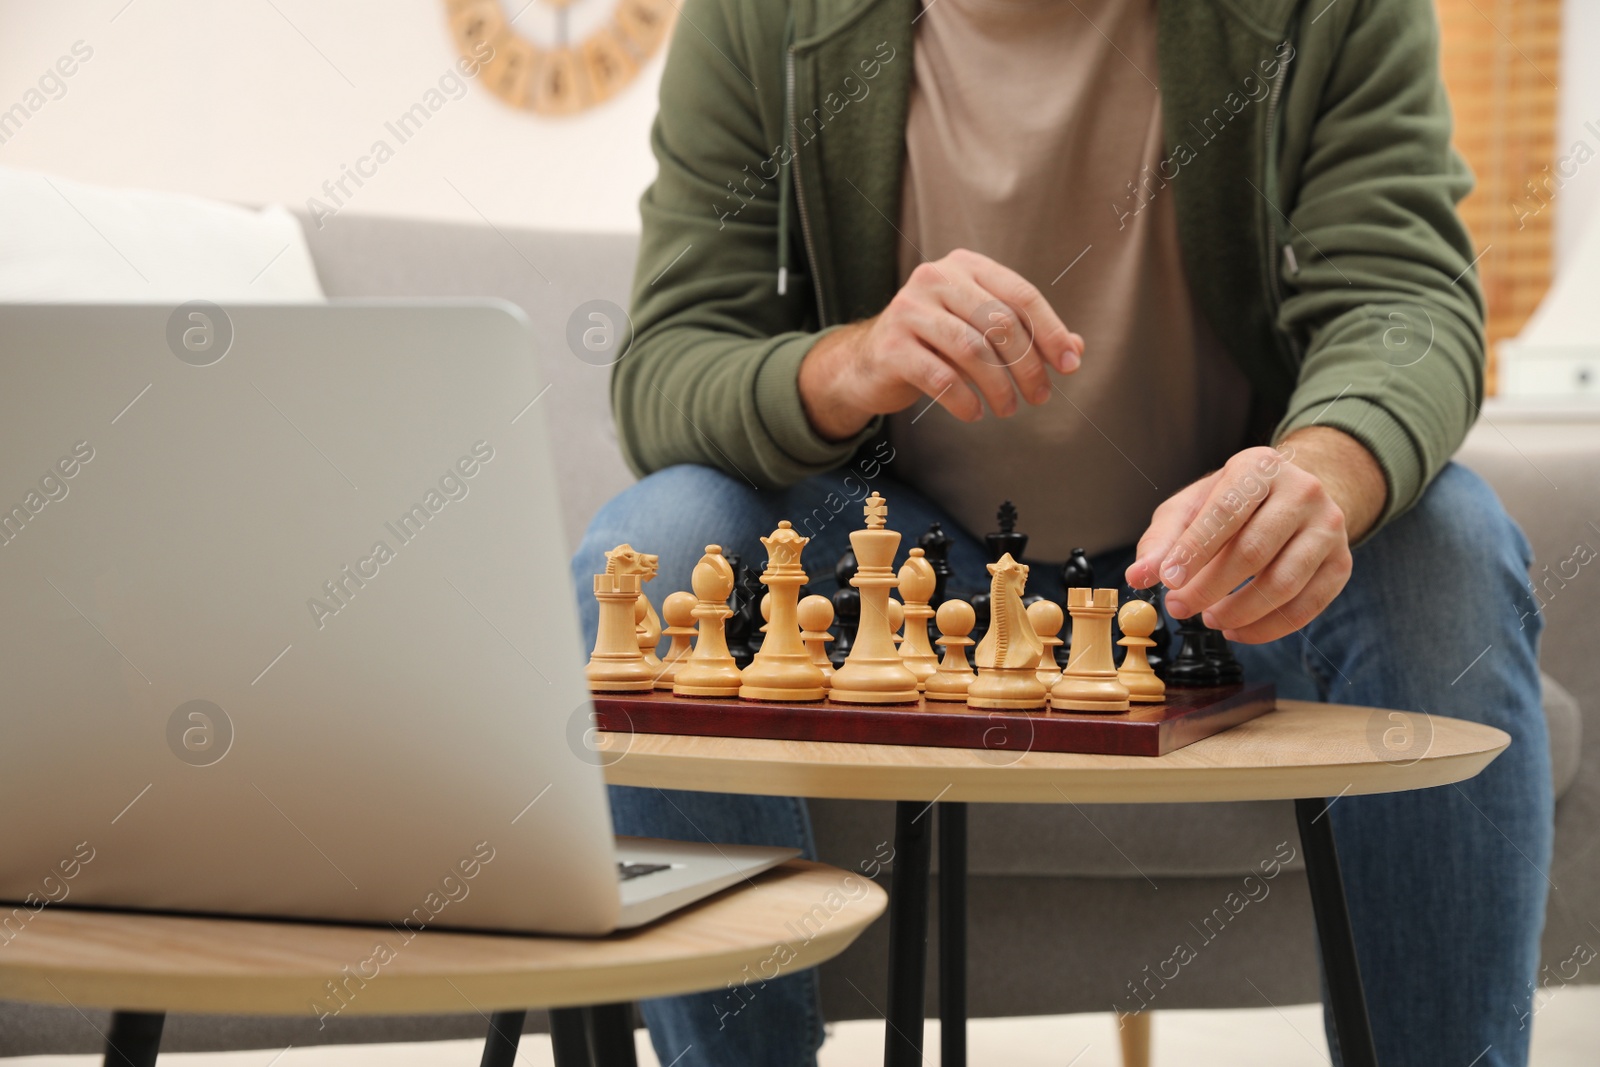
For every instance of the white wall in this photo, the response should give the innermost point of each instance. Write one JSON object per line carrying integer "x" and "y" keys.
{"x": 1580, "y": 107}
{"x": 227, "y": 99}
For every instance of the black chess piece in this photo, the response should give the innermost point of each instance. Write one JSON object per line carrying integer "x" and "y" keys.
{"x": 935, "y": 545}
{"x": 1078, "y": 572}
{"x": 1158, "y": 655}
{"x": 1005, "y": 539}
{"x": 846, "y": 608}
{"x": 744, "y": 625}
{"x": 1193, "y": 668}
{"x": 1219, "y": 654}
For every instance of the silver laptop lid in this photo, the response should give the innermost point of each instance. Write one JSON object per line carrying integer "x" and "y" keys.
{"x": 285, "y": 621}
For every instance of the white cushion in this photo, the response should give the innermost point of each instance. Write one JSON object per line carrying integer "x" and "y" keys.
{"x": 65, "y": 241}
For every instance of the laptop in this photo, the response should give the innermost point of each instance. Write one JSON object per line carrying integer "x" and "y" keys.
{"x": 286, "y": 627}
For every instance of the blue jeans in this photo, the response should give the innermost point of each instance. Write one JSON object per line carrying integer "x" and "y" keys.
{"x": 1446, "y": 886}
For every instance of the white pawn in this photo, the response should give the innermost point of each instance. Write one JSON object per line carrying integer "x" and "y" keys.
{"x": 955, "y": 620}
{"x": 816, "y": 615}
{"x": 1047, "y": 617}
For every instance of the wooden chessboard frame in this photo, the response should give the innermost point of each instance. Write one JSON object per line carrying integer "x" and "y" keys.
{"x": 1186, "y": 716}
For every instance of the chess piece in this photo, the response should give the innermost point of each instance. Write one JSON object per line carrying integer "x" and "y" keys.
{"x": 1158, "y": 655}
{"x": 647, "y": 624}
{"x": 744, "y": 627}
{"x": 1193, "y": 668}
{"x": 954, "y": 676}
{"x": 1219, "y": 654}
{"x": 678, "y": 609}
{"x": 616, "y": 665}
{"x": 647, "y": 633}
{"x": 1139, "y": 619}
{"x": 1046, "y": 617}
{"x": 917, "y": 583}
{"x": 782, "y": 669}
{"x": 816, "y": 615}
{"x": 1090, "y": 680}
{"x": 846, "y": 607}
{"x": 1004, "y": 541}
{"x": 1076, "y": 573}
{"x": 897, "y": 619}
{"x": 873, "y": 672}
{"x": 935, "y": 545}
{"x": 1008, "y": 655}
{"x": 766, "y": 612}
{"x": 710, "y": 670}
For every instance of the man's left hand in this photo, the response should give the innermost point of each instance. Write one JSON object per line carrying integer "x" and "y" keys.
{"x": 1262, "y": 546}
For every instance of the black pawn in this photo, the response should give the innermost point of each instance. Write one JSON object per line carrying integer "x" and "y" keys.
{"x": 1158, "y": 655}
{"x": 935, "y": 545}
{"x": 1193, "y": 668}
{"x": 745, "y": 621}
{"x": 846, "y": 608}
{"x": 1078, "y": 572}
{"x": 1220, "y": 655}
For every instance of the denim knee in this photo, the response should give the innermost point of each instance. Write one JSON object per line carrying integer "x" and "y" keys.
{"x": 673, "y": 513}
{"x": 1461, "y": 535}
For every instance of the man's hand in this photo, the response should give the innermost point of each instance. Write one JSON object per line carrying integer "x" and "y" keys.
{"x": 1281, "y": 519}
{"x": 960, "y": 327}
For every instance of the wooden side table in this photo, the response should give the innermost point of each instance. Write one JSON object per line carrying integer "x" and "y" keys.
{"x": 142, "y": 966}
{"x": 1302, "y": 751}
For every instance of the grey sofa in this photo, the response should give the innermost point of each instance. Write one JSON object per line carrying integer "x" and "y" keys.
{"x": 1067, "y": 905}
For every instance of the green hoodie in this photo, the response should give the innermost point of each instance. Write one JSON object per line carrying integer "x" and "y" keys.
{"x": 1308, "y": 149}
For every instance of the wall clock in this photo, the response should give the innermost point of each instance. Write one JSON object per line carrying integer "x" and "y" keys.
{"x": 555, "y": 57}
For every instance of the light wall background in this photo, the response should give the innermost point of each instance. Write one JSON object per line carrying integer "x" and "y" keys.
{"x": 264, "y": 100}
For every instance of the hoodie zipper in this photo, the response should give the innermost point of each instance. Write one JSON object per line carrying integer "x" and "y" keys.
{"x": 799, "y": 188}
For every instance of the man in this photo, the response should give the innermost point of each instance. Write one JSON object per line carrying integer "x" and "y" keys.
{"x": 872, "y": 227}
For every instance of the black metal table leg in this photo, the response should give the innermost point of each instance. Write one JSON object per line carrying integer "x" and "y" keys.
{"x": 569, "y": 1037}
{"x": 611, "y": 1035}
{"x": 908, "y": 934}
{"x": 505, "y": 1034}
{"x": 1346, "y": 998}
{"x": 953, "y": 934}
{"x": 135, "y": 1038}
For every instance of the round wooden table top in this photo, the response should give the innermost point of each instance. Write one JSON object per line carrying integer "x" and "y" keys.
{"x": 1301, "y": 749}
{"x": 790, "y": 918}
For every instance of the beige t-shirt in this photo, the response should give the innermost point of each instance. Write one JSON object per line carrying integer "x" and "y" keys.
{"x": 1030, "y": 125}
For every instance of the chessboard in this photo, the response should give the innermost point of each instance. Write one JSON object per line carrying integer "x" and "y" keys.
{"x": 1184, "y": 717}
{"x": 728, "y": 673}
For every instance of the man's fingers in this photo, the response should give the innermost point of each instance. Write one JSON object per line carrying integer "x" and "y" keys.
{"x": 1059, "y": 345}
{"x": 1244, "y": 552}
{"x": 1010, "y": 346}
{"x": 1318, "y": 593}
{"x": 1276, "y": 585}
{"x": 1243, "y": 485}
{"x": 929, "y": 372}
{"x": 962, "y": 346}
{"x": 1170, "y": 519}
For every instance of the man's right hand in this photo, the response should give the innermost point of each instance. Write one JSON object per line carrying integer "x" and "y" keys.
{"x": 960, "y": 328}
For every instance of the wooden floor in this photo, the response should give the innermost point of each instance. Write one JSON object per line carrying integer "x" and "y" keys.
{"x": 1565, "y": 1034}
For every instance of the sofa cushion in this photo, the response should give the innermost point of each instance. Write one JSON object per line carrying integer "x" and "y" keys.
{"x": 70, "y": 241}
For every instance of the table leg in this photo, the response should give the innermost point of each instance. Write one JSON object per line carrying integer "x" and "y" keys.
{"x": 611, "y": 1035}
{"x": 569, "y": 1037}
{"x": 908, "y": 934}
{"x": 953, "y": 934}
{"x": 505, "y": 1034}
{"x": 1346, "y": 998}
{"x": 135, "y": 1038}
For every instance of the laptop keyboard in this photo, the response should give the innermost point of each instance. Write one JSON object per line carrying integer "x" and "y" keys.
{"x": 627, "y": 872}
